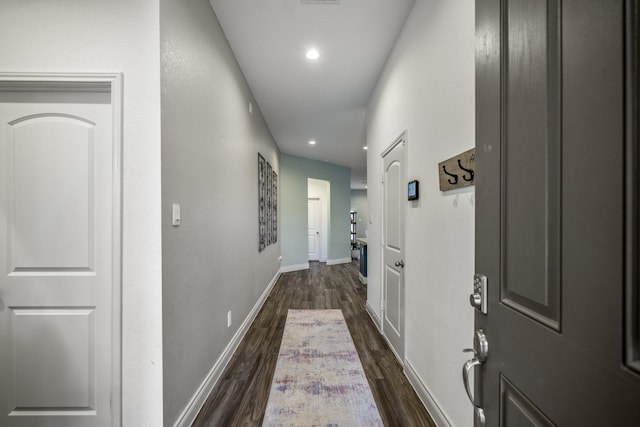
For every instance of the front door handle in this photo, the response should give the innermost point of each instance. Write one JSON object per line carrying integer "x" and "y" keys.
{"x": 480, "y": 352}
{"x": 399, "y": 264}
{"x": 466, "y": 368}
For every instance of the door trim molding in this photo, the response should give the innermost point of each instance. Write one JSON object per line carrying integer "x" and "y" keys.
{"x": 402, "y": 138}
{"x": 374, "y": 317}
{"x": 632, "y": 193}
{"x": 95, "y": 82}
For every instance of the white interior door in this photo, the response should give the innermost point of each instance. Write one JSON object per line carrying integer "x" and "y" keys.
{"x": 394, "y": 203}
{"x": 56, "y": 258}
{"x": 314, "y": 226}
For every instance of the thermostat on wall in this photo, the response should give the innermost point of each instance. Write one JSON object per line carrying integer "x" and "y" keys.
{"x": 414, "y": 190}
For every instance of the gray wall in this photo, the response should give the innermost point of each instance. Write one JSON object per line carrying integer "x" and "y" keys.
{"x": 360, "y": 204}
{"x": 293, "y": 183}
{"x": 210, "y": 146}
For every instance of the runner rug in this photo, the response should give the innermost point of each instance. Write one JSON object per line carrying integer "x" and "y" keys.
{"x": 319, "y": 380}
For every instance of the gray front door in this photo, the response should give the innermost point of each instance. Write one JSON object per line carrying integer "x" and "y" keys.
{"x": 557, "y": 211}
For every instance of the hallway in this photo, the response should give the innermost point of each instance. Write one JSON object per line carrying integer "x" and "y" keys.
{"x": 241, "y": 395}
{"x": 190, "y": 132}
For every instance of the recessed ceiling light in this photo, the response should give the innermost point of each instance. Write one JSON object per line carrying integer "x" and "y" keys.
{"x": 312, "y": 142}
{"x": 312, "y": 54}
{"x": 365, "y": 147}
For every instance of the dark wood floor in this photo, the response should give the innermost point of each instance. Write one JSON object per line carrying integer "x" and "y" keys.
{"x": 240, "y": 397}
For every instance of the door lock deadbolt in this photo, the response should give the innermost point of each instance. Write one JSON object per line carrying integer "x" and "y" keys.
{"x": 478, "y": 299}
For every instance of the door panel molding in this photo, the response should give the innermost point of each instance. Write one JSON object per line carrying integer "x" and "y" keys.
{"x": 33, "y": 204}
{"x": 517, "y": 410}
{"x": 393, "y": 211}
{"x": 531, "y": 142}
{"x": 393, "y": 297}
{"x": 314, "y": 229}
{"x": 632, "y": 175}
{"x": 70, "y": 386}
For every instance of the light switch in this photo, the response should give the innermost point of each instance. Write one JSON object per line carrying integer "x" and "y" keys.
{"x": 176, "y": 215}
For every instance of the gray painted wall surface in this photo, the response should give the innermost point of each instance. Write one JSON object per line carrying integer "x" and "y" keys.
{"x": 210, "y": 146}
{"x": 360, "y": 204}
{"x": 294, "y": 172}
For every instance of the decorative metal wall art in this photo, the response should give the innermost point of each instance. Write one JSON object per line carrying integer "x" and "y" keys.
{"x": 267, "y": 204}
{"x": 458, "y": 171}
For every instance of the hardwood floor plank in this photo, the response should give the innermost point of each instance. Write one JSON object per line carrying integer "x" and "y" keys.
{"x": 240, "y": 397}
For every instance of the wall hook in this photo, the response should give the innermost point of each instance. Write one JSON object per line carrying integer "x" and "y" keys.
{"x": 455, "y": 177}
{"x": 466, "y": 170}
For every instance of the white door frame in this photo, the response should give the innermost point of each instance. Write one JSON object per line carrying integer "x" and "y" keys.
{"x": 97, "y": 82}
{"x": 400, "y": 139}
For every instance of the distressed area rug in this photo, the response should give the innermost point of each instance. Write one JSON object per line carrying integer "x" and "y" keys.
{"x": 319, "y": 380}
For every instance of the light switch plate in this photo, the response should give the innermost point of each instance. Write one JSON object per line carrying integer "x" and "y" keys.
{"x": 176, "y": 215}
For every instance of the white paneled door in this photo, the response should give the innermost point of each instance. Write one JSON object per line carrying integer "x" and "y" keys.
{"x": 394, "y": 202}
{"x": 57, "y": 255}
{"x": 313, "y": 234}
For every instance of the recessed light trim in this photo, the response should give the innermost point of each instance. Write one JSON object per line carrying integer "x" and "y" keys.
{"x": 312, "y": 54}
{"x": 312, "y": 142}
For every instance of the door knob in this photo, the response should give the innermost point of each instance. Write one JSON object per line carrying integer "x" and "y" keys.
{"x": 400, "y": 264}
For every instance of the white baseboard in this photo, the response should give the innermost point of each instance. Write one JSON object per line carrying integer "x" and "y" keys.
{"x": 295, "y": 267}
{"x": 421, "y": 389}
{"x": 374, "y": 317}
{"x": 191, "y": 411}
{"x": 426, "y": 397}
{"x": 362, "y": 278}
{"x": 338, "y": 261}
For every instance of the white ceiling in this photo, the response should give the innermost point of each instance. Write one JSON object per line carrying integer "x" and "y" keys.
{"x": 323, "y": 100}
